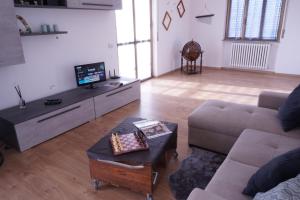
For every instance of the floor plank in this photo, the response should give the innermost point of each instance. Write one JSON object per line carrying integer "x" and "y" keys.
{"x": 58, "y": 169}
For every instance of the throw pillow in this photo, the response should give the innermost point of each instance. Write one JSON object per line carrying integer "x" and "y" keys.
{"x": 279, "y": 169}
{"x": 289, "y": 112}
{"x": 285, "y": 190}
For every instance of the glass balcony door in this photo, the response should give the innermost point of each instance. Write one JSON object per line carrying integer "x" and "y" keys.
{"x": 134, "y": 39}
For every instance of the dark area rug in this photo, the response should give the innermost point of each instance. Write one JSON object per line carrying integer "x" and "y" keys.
{"x": 195, "y": 172}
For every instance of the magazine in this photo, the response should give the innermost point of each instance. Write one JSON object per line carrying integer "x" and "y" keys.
{"x": 152, "y": 128}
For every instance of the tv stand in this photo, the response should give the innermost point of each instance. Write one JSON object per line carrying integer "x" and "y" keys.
{"x": 25, "y": 128}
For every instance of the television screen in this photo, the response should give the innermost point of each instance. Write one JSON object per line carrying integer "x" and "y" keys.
{"x": 90, "y": 73}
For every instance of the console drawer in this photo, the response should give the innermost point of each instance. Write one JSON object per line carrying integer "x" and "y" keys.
{"x": 115, "y": 99}
{"x": 45, "y": 127}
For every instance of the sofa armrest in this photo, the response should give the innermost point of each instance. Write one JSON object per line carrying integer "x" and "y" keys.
{"x": 272, "y": 100}
{"x": 199, "y": 194}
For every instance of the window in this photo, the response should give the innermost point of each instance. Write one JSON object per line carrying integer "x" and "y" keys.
{"x": 254, "y": 19}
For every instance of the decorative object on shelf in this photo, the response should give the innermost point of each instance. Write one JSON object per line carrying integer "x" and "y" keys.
{"x": 22, "y": 103}
{"x": 114, "y": 76}
{"x": 55, "y": 28}
{"x": 180, "y": 8}
{"x": 167, "y": 21}
{"x": 25, "y": 24}
{"x": 191, "y": 52}
{"x": 205, "y": 12}
{"x": 49, "y": 29}
{"x": 204, "y": 16}
{"x": 44, "y": 28}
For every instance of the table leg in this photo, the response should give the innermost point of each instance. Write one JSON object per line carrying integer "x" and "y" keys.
{"x": 181, "y": 63}
{"x": 201, "y": 63}
{"x": 97, "y": 184}
{"x": 175, "y": 154}
{"x": 149, "y": 197}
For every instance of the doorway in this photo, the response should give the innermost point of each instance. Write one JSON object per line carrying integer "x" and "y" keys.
{"x": 134, "y": 39}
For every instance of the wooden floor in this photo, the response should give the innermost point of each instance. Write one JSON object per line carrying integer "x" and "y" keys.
{"x": 58, "y": 169}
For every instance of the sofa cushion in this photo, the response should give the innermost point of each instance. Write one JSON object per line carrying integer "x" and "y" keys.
{"x": 230, "y": 180}
{"x": 271, "y": 100}
{"x": 289, "y": 112}
{"x": 199, "y": 194}
{"x": 231, "y": 119}
{"x": 286, "y": 190}
{"x": 252, "y": 150}
{"x": 279, "y": 169}
{"x": 257, "y": 148}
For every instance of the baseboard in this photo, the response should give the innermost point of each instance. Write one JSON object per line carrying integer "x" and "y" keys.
{"x": 248, "y": 70}
{"x": 167, "y": 73}
{"x": 235, "y": 70}
{"x": 287, "y": 75}
{"x": 254, "y": 71}
{"x": 206, "y": 67}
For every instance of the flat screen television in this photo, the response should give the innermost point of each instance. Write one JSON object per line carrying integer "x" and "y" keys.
{"x": 89, "y": 74}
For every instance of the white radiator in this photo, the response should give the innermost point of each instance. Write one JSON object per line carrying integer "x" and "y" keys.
{"x": 253, "y": 56}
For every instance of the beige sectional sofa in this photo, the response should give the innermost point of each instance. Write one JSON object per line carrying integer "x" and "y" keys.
{"x": 250, "y": 135}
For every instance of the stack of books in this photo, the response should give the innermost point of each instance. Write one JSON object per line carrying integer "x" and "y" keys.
{"x": 152, "y": 128}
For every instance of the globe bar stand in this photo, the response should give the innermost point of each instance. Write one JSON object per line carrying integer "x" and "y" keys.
{"x": 191, "y": 52}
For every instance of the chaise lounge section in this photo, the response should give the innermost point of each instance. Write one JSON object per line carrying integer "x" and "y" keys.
{"x": 252, "y": 136}
{"x": 252, "y": 150}
{"x": 216, "y": 125}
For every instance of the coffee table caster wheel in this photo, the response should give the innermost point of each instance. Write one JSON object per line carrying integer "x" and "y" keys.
{"x": 149, "y": 197}
{"x": 175, "y": 155}
{"x": 1, "y": 159}
{"x": 97, "y": 184}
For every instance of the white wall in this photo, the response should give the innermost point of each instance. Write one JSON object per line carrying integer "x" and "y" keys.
{"x": 49, "y": 61}
{"x": 169, "y": 43}
{"x": 209, "y": 32}
{"x": 288, "y": 59}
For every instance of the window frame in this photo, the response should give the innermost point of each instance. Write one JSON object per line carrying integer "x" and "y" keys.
{"x": 244, "y": 23}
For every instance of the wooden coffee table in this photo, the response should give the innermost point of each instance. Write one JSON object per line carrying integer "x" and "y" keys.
{"x": 137, "y": 170}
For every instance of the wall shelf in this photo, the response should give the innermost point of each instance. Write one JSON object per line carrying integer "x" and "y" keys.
{"x": 203, "y": 16}
{"x": 40, "y": 6}
{"x": 40, "y": 33}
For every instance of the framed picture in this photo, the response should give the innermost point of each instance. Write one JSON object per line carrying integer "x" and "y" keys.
{"x": 180, "y": 8}
{"x": 167, "y": 20}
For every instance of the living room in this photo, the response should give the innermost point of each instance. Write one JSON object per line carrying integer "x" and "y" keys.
{"x": 224, "y": 123}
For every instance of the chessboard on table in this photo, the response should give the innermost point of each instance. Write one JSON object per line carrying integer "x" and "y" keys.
{"x": 125, "y": 143}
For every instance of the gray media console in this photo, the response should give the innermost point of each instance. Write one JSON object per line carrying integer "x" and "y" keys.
{"x": 25, "y": 128}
